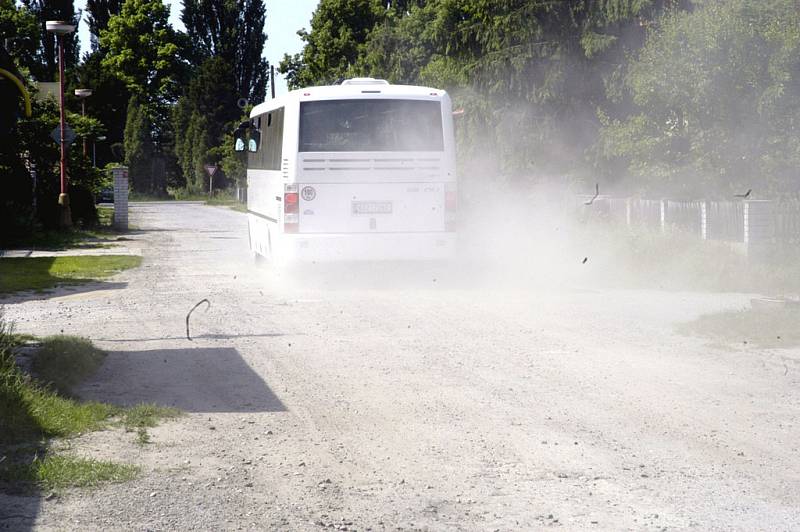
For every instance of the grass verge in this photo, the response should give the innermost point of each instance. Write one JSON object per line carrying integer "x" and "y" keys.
{"x": 64, "y": 361}
{"x": 32, "y": 413}
{"x": 41, "y": 273}
{"x": 766, "y": 328}
{"x": 65, "y": 471}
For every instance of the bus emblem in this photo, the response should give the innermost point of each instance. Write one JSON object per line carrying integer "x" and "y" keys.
{"x": 308, "y": 193}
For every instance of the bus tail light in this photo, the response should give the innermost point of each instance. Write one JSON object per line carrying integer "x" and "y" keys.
{"x": 291, "y": 209}
{"x": 450, "y": 206}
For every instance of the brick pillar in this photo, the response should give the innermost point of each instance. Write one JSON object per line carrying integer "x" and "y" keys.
{"x": 120, "y": 197}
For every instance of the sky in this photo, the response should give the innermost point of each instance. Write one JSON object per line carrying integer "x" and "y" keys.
{"x": 284, "y": 18}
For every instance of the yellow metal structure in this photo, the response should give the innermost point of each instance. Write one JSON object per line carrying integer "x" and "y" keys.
{"x": 25, "y": 96}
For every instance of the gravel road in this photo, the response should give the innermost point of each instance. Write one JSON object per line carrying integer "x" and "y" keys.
{"x": 413, "y": 401}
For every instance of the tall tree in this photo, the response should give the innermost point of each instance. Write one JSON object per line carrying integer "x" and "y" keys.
{"x": 201, "y": 120}
{"x": 108, "y": 103}
{"x": 336, "y": 42}
{"x": 45, "y": 68}
{"x": 139, "y": 147}
{"x": 20, "y": 33}
{"x": 234, "y": 31}
{"x": 99, "y": 13}
{"x": 144, "y": 51}
{"x": 717, "y": 101}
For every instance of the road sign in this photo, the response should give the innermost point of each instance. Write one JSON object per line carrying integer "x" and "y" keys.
{"x": 69, "y": 135}
{"x": 211, "y": 169}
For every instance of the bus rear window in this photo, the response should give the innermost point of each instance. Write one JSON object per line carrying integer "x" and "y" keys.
{"x": 371, "y": 125}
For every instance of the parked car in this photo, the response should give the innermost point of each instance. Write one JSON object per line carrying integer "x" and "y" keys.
{"x": 106, "y": 195}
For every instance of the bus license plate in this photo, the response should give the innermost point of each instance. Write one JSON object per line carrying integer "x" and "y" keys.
{"x": 372, "y": 207}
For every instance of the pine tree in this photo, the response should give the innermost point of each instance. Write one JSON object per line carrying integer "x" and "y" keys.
{"x": 139, "y": 148}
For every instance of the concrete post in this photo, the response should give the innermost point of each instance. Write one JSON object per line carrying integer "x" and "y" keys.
{"x": 628, "y": 212}
{"x": 759, "y": 224}
{"x": 120, "y": 197}
{"x": 704, "y": 220}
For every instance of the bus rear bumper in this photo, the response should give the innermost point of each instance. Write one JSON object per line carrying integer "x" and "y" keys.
{"x": 367, "y": 247}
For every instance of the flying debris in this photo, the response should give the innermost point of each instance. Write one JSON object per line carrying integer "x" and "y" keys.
{"x": 207, "y": 302}
{"x": 745, "y": 195}
{"x": 596, "y": 193}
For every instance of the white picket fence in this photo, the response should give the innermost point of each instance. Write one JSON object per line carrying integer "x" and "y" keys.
{"x": 745, "y": 221}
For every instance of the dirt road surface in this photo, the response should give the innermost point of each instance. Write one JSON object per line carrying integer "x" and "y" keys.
{"x": 413, "y": 402}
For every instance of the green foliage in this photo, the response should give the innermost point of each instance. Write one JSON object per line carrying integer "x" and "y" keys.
{"x": 32, "y": 145}
{"x": 20, "y": 29}
{"x": 144, "y": 51}
{"x": 108, "y": 103}
{"x": 339, "y": 31}
{"x": 30, "y": 411}
{"x": 44, "y": 66}
{"x": 530, "y": 74}
{"x": 99, "y": 12}
{"x": 717, "y": 94}
{"x": 145, "y": 174}
{"x": 203, "y": 120}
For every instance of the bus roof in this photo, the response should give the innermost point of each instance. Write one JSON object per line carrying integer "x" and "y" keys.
{"x": 352, "y": 90}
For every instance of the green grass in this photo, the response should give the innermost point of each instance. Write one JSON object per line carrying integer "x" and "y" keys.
{"x": 29, "y": 411}
{"x": 766, "y": 328}
{"x": 146, "y": 415}
{"x": 65, "y": 471}
{"x": 64, "y": 361}
{"x": 41, "y": 273}
{"x": 32, "y": 413}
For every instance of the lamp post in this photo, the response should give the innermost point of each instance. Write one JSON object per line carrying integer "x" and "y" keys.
{"x": 94, "y": 149}
{"x": 60, "y": 29}
{"x": 83, "y": 94}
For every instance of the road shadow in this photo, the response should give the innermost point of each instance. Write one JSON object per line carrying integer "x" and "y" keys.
{"x": 82, "y": 286}
{"x": 18, "y": 512}
{"x": 201, "y": 379}
{"x": 194, "y": 337}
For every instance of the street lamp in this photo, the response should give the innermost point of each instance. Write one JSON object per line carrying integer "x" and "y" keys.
{"x": 60, "y": 29}
{"x": 82, "y": 94}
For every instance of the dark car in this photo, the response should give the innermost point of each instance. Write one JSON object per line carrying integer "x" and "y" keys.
{"x": 106, "y": 195}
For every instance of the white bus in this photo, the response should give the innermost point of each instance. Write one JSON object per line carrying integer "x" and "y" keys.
{"x": 364, "y": 170}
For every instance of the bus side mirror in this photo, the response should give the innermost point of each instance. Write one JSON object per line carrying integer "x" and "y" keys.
{"x": 255, "y": 140}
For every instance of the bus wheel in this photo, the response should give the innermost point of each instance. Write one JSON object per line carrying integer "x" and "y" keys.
{"x": 260, "y": 260}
